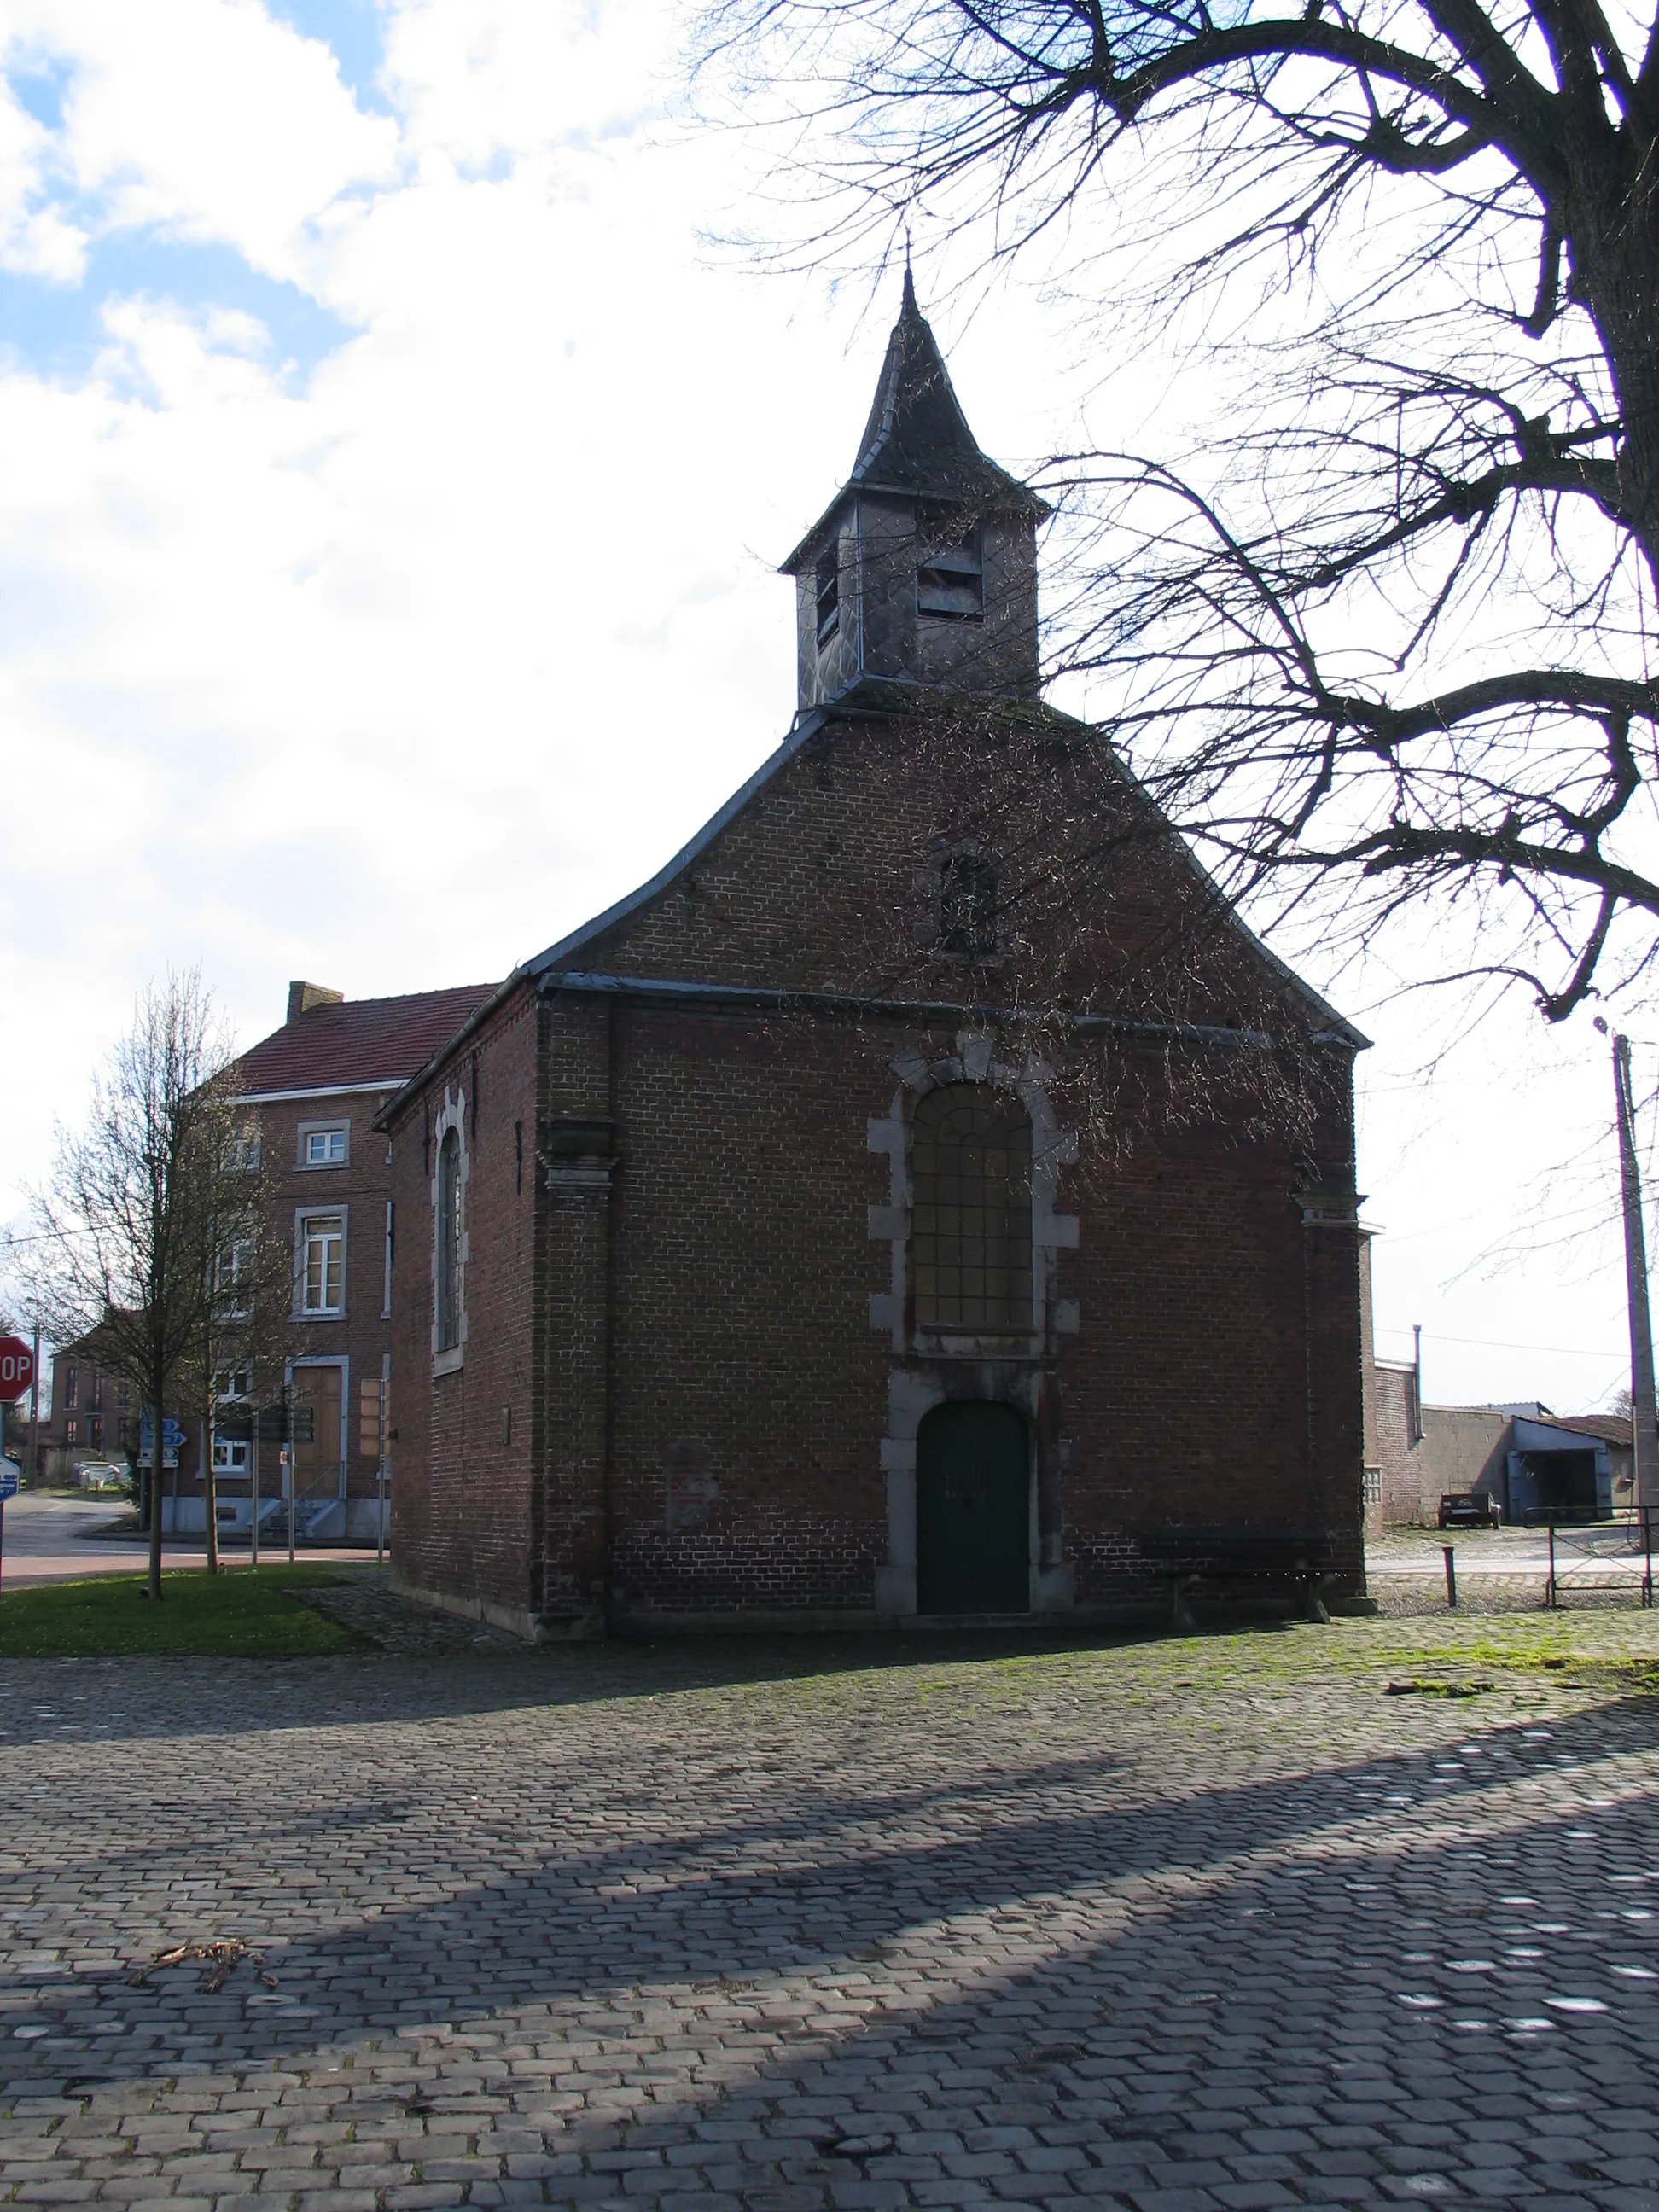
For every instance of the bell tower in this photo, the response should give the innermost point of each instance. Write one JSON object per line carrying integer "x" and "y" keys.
{"x": 922, "y": 572}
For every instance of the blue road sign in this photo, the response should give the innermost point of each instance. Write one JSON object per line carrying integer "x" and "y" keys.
{"x": 172, "y": 1434}
{"x": 10, "y": 1475}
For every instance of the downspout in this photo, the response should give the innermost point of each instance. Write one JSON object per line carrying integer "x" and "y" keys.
{"x": 607, "y": 1472}
{"x": 1417, "y": 1383}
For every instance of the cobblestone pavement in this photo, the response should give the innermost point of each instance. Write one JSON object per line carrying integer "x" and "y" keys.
{"x": 1213, "y": 1922}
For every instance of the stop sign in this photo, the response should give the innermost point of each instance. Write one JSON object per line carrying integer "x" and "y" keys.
{"x": 16, "y": 1368}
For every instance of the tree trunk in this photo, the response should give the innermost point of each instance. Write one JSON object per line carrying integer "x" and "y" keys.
{"x": 1615, "y": 252}
{"x": 155, "y": 1419}
{"x": 210, "y": 1497}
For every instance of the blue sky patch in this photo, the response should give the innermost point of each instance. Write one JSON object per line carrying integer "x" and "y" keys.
{"x": 38, "y": 85}
{"x": 57, "y": 329}
{"x": 350, "y": 29}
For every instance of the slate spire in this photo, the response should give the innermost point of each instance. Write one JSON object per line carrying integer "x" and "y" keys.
{"x": 917, "y": 438}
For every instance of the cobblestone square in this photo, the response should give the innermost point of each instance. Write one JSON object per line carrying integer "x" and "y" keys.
{"x": 1215, "y": 1922}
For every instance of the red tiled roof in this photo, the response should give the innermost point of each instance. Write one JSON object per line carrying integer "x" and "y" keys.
{"x": 359, "y": 1041}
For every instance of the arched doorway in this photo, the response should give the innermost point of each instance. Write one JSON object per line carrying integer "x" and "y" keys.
{"x": 973, "y": 1509}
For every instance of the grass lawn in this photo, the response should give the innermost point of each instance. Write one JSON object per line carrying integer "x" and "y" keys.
{"x": 241, "y": 1613}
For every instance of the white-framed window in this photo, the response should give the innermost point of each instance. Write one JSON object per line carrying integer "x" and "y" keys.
{"x": 322, "y": 1265}
{"x": 242, "y": 1154}
{"x": 229, "y": 1455}
{"x": 231, "y": 1385}
{"x": 233, "y": 1277}
{"x": 324, "y": 1144}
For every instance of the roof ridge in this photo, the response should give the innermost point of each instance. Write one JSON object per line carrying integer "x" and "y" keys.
{"x": 391, "y": 998}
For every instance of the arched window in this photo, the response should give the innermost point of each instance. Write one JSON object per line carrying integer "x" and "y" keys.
{"x": 971, "y": 1226}
{"x": 449, "y": 1241}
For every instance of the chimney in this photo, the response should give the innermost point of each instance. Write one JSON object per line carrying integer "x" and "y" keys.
{"x": 303, "y": 996}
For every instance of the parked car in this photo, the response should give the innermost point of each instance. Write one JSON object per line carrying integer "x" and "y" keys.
{"x": 1469, "y": 1509}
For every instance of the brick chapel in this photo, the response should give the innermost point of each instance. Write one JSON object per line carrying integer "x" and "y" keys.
{"x": 924, "y": 1200}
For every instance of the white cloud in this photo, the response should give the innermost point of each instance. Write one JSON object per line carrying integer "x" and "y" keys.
{"x": 204, "y": 119}
{"x": 501, "y": 78}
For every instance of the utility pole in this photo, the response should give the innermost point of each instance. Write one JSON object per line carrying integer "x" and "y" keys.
{"x": 1644, "y": 1421}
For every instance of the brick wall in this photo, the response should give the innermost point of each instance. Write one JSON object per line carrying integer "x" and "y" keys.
{"x": 464, "y": 1521}
{"x": 681, "y": 1288}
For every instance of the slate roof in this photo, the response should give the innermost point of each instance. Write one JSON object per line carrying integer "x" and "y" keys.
{"x": 360, "y": 1043}
{"x": 1611, "y": 1428}
{"x": 917, "y": 440}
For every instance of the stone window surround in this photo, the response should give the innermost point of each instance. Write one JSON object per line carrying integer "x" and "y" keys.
{"x": 451, "y": 1115}
{"x": 306, "y": 1130}
{"x": 944, "y": 1364}
{"x": 320, "y": 1210}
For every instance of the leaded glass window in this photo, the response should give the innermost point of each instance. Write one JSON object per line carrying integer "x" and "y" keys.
{"x": 449, "y": 1241}
{"x": 970, "y": 1227}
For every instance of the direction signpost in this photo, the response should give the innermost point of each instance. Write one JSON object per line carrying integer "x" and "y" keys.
{"x": 17, "y": 1373}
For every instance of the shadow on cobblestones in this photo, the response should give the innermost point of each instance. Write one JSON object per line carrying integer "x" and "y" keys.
{"x": 764, "y": 1939}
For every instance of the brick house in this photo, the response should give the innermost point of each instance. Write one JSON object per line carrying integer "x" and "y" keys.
{"x": 93, "y": 1410}
{"x": 311, "y": 1091}
{"x": 763, "y": 1261}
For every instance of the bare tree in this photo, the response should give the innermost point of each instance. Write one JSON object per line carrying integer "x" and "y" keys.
{"x": 129, "y": 1221}
{"x": 1022, "y": 876}
{"x": 1384, "y": 633}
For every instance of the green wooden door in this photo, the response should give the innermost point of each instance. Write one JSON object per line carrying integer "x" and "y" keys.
{"x": 973, "y": 1511}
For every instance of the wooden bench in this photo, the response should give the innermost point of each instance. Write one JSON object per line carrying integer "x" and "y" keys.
{"x": 1222, "y": 1563}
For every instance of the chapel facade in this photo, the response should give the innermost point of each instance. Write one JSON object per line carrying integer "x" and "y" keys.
{"x": 923, "y": 1200}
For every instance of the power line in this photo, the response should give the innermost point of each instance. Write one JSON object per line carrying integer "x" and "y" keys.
{"x": 1508, "y": 1344}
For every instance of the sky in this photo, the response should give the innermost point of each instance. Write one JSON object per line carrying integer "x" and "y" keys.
{"x": 392, "y": 478}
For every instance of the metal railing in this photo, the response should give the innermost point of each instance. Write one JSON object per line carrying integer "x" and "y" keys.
{"x": 1585, "y": 1548}
{"x": 1555, "y": 1562}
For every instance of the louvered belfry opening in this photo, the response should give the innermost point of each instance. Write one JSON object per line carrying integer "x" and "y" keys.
{"x": 971, "y": 1219}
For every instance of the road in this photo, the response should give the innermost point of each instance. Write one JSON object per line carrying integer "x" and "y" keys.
{"x": 49, "y": 1539}
{"x": 1213, "y": 1925}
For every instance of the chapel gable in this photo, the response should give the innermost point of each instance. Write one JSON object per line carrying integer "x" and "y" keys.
{"x": 931, "y": 830}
